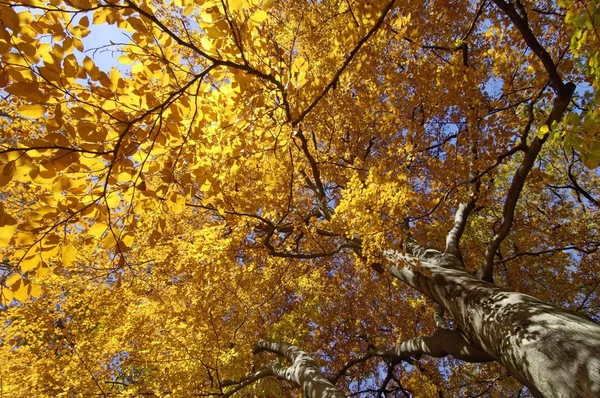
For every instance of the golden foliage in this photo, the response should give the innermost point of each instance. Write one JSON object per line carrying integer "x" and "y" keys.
{"x": 236, "y": 168}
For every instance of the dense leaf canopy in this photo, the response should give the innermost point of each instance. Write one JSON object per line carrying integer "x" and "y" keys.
{"x": 223, "y": 171}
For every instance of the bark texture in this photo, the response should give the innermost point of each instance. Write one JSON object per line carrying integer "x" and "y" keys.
{"x": 551, "y": 351}
{"x": 442, "y": 343}
{"x": 303, "y": 372}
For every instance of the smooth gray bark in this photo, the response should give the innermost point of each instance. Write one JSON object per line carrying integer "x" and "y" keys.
{"x": 442, "y": 343}
{"x": 551, "y": 351}
{"x": 303, "y": 372}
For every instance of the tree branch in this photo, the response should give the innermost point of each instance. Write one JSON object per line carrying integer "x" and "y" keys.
{"x": 442, "y": 343}
{"x": 304, "y": 371}
{"x": 460, "y": 222}
{"x": 464, "y": 48}
{"x": 318, "y": 184}
{"x": 521, "y": 23}
{"x": 592, "y": 248}
{"x": 247, "y": 380}
{"x": 564, "y": 94}
{"x": 363, "y": 358}
{"x": 438, "y": 317}
{"x": 512, "y": 197}
{"x": 350, "y": 57}
{"x": 474, "y": 22}
{"x": 401, "y": 265}
{"x": 499, "y": 159}
{"x": 216, "y": 61}
{"x": 580, "y": 189}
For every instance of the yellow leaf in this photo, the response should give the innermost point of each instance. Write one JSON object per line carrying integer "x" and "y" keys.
{"x": 24, "y": 238}
{"x": 35, "y": 290}
{"x": 137, "y": 68}
{"x": 91, "y": 68}
{"x": 206, "y": 186}
{"x": 30, "y": 263}
{"x": 207, "y": 43}
{"x": 12, "y": 280}
{"x": 127, "y": 240}
{"x": 236, "y": 5}
{"x": 32, "y": 111}
{"x": 42, "y": 271}
{"x": 9, "y": 18}
{"x": 8, "y": 226}
{"x": 6, "y": 233}
{"x": 21, "y": 292}
{"x": 176, "y": 202}
{"x": 109, "y": 241}
{"x": 113, "y": 200}
{"x": 88, "y": 64}
{"x": 125, "y": 60}
{"x": 25, "y": 18}
{"x": 9, "y": 169}
{"x": 61, "y": 183}
{"x": 98, "y": 229}
{"x": 85, "y": 22}
{"x": 26, "y": 172}
{"x": 49, "y": 252}
{"x": 70, "y": 66}
{"x": 115, "y": 76}
{"x": 6, "y": 296}
{"x": 591, "y": 163}
{"x": 69, "y": 253}
{"x": 27, "y": 90}
{"x": 259, "y": 16}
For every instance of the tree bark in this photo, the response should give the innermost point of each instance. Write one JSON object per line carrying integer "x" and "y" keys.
{"x": 441, "y": 344}
{"x": 551, "y": 351}
{"x": 303, "y": 372}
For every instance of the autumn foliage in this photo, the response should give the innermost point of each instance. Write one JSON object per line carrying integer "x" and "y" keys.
{"x": 221, "y": 172}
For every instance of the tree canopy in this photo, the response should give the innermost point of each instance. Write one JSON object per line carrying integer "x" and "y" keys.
{"x": 239, "y": 170}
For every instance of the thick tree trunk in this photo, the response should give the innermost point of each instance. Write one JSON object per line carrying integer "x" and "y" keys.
{"x": 551, "y": 351}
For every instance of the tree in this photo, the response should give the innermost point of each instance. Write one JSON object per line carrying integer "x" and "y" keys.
{"x": 359, "y": 188}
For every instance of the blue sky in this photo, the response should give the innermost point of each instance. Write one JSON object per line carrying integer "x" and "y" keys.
{"x": 96, "y": 41}
{"x": 100, "y": 36}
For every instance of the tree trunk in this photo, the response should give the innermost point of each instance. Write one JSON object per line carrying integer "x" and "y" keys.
{"x": 551, "y": 351}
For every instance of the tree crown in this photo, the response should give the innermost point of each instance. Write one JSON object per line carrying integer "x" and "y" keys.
{"x": 239, "y": 170}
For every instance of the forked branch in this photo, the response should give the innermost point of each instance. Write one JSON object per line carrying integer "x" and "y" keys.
{"x": 561, "y": 102}
{"x": 303, "y": 372}
{"x": 442, "y": 343}
{"x": 518, "y": 182}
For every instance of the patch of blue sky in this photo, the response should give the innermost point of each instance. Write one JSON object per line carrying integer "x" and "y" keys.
{"x": 493, "y": 87}
{"x": 103, "y": 45}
